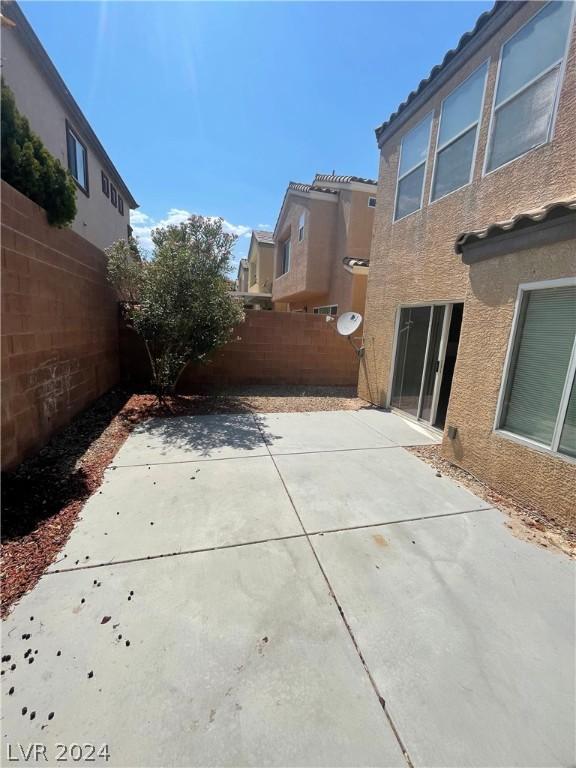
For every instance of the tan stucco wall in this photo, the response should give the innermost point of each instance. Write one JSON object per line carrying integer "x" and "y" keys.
{"x": 261, "y": 259}
{"x": 413, "y": 260}
{"x": 534, "y": 476}
{"x": 335, "y": 228}
{"x": 97, "y": 220}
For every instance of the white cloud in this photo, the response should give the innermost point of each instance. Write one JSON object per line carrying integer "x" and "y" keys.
{"x": 143, "y": 224}
{"x": 264, "y": 226}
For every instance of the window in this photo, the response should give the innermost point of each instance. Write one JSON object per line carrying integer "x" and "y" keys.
{"x": 528, "y": 83}
{"x": 332, "y": 309}
{"x": 412, "y": 168}
{"x": 301, "y": 223}
{"x": 285, "y": 258}
{"x": 113, "y": 195}
{"x": 120, "y": 206}
{"x": 371, "y": 202}
{"x": 77, "y": 158}
{"x": 539, "y": 401}
{"x": 105, "y": 185}
{"x": 456, "y": 143}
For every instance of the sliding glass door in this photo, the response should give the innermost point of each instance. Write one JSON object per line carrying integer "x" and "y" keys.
{"x": 410, "y": 355}
{"x": 418, "y": 366}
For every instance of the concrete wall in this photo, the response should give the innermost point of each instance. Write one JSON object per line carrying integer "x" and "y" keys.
{"x": 59, "y": 327}
{"x": 536, "y": 477}
{"x": 97, "y": 219}
{"x": 272, "y": 348}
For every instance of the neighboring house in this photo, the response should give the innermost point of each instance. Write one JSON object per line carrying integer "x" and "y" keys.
{"x": 103, "y": 200}
{"x": 242, "y": 277}
{"x": 471, "y": 307}
{"x": 261, "y": 262}
{"x": 322, "y": 250}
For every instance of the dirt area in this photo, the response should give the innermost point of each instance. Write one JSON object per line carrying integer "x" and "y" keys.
{"x": 42, "y": 499}
{"x": 525, "y": 522}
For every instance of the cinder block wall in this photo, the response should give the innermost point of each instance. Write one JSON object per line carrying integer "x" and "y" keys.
{"x": 59, "y": 327}
{"x": 275, "y": 348}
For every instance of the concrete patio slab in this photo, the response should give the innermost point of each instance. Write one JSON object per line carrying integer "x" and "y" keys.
{"x": 192, "y": 438}
{"x": 367, "y": 487}
{"x": 395, "y": 428}
{"x": 146, "y": 511}
{"x": 318, "y": 431}
{"x": 469, "y": 635}
{"x": 237, "y": 657}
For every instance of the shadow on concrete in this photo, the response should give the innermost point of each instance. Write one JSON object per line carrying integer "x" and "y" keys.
{"x": 201, "y": 435}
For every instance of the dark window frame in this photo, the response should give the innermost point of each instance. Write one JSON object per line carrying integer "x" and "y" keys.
{"x": 120, "y": 205}
{"x": 71, "y": 134}
{"x": 113, "y": 195}
{"x": 105, "y": 185}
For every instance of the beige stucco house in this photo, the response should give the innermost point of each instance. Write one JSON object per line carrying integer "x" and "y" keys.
{"x": 242, "y": 277}
{"x": 261, "y": 262}
{"x": 471, "y": 305}
{"x": 322, "y": 245}
{"x": 103, "y": 200}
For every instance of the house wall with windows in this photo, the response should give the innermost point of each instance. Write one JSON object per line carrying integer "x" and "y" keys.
{"x": 260, "y": 262}
{"x": 533, "y": 474}
{"x": 325, "y": 223}
{"x": 38, "y": 90}
{"x": 427, "y": 198}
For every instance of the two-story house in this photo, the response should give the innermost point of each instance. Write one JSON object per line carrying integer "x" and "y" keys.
{"x": 102, "y": 198}
{"x": 261, "y": 262}
{"x": 471, "y": 308}
{"x": 322, "y": 245}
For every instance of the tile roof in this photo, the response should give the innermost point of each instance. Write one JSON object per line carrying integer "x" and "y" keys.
{"x": 298, "y": 187}
{"x": 520, "y": 221}
{"x": 342, "y": 179}
{"x": 351, "y": 262}
{"x": 481, "y": 22}
{"x": 263, "y": 236}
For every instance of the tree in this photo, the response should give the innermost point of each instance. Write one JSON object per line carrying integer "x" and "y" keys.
{"x": 31, "y": 169}
{"x": 178, "y": 300}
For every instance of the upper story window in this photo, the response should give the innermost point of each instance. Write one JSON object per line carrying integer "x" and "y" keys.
{"x": 120, "y": 206}
{"x": 539, "y": 396}
{"x": 285, "y": 258}
{"x": 301, "y": 223}
{"x": 77, "y": 158}
{"x": 528, "y": 84}
{"x": 113, "y": 195}
{"x": 371, "y": 202}
{"x": 412, "y": 169}
{"x": 331, "y": 309}
{"x": 457, "y": 133}
{"x": 105, "y": 185}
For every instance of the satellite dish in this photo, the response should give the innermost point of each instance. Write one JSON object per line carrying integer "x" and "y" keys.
{"x": 348, "y": 323}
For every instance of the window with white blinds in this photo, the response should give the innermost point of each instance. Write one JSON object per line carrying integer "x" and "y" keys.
{"x": 539, "y": 401}
{"x": 528, "y": 83}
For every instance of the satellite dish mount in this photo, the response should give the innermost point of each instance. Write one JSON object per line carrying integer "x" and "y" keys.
{"x": 346, "y": 325}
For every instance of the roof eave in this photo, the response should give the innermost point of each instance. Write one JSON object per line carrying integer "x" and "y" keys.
{"x": 468, "y": 45}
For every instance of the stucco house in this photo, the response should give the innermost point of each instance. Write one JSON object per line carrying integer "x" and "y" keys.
{"x": 242, "y": 277}
{"x": 322, "y": 245}
{"x": 261, "y": 262}
{"x": 471, "y": 304}
{"x": 103, "y": 200}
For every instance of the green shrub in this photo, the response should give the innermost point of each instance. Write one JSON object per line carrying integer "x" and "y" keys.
{"x": 178, "y": 299}
{"x": 31, "y": 169}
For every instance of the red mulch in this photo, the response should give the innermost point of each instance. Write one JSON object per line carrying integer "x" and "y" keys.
{"x": 41, "y": 500}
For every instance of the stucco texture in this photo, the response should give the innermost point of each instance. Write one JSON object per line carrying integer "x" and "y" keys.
{"x": 413, "y": 261}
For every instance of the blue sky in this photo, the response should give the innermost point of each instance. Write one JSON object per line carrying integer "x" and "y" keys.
{"x": 213, "y": 107}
